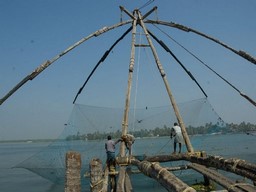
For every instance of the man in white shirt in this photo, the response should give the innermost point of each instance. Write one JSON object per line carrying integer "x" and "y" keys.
{"x": 176, "y": 133}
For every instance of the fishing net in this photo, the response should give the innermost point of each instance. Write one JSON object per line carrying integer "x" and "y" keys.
{"x": 88, "y": 127}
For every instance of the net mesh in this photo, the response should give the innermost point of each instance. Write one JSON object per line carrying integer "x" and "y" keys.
{"x": 88, "y": 127}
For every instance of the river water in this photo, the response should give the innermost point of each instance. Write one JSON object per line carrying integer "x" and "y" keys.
{"x": 18, "y": 179}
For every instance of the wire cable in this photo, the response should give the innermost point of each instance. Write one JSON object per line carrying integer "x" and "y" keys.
{"x": 146, "y": 4}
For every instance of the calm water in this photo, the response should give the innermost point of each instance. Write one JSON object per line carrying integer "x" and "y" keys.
{"x": 17, "y": 179}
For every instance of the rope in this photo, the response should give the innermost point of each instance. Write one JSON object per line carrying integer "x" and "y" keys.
{"x": 97, "y": 183}
{"x": 164, "y": 146}
{"x": 160, "y": 172}
{"x": 235, "y": 163}
{"x": 136, "y": 85}
{"x": 188, "y": 189}
{"x": 237, "y": 185}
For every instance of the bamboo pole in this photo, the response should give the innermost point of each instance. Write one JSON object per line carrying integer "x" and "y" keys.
{"x": 240, "y": 53}
{"x": 121, "y": 179}
{"x": 169, "y": 181}
{"x": 237, "y": 166}
{"x": 46, "y": 64}
{"x": 105, "y": 182}
{"x": 173, "y": 102}
{"x": 188, "y": 29}
{"x": 166, "y": 158}
{"x": 127, "y": 181}
{"x": 73, "y": 172}
{"x": 223, "y": 181}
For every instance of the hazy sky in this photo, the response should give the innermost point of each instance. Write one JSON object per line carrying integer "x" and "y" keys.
{"x": 33, "y": 31}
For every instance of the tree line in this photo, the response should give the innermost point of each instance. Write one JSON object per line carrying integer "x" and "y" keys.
{"x": 208, "y": 128}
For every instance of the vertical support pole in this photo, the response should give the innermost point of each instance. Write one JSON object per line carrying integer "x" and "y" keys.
{"x": 105, "y": 182}
{"x": 121, "y": 178}
{"x": 96, "y": 173}
{"x": 73, "y": 172}
{"x": 128, "y": 184}
{"x": 128, "y": 93}
{"x": 161, "y": 70}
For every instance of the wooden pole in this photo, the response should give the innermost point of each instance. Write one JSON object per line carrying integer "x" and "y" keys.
{"x": 46, "y": 64}
{"x": 169, "y": 181}
{"x": 121, "y": 178}
{"x": 127, "y": 181}
{"x": 73, "y": 172}
{"x": 188, "y": 29}
{"x": 237, "y": 166}
{"x": 105, "y": 182}
{"x": 223, "y": 181}
{"x": 233, "y": 165}
{"x": 96, "y": 173}
{"x": 173, "y": 102}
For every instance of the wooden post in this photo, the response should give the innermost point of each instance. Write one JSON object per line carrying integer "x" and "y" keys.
{"x": 96, "y": 173}
{"x": 127, "y": 181}
{"x": 73, "y": 172}
{"x": 105, "y": 182}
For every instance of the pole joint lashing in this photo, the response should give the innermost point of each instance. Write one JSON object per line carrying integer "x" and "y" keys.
{"x": 142, "y": 45}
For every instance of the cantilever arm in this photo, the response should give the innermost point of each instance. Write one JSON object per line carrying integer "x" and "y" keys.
{"x": 241, "y": 53}
{"x": 187, "y": 29}
{"x": 46, "y": 64}
{"x": 100, "y": 61}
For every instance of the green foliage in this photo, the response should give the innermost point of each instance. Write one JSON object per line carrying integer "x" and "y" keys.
{"x": 208, "y": 128}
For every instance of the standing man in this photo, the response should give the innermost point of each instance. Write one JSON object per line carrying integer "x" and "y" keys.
{"x": 176, "y": 133}
{"x": 110, "y": 150}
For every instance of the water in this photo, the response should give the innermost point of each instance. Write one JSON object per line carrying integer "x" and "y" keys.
{"x": 18, "y": 179}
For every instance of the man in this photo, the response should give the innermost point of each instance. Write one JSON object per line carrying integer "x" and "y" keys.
{"x": 110, "y": 150}
{"x": 128, "y": 140}
{"x": 176, "y": 133}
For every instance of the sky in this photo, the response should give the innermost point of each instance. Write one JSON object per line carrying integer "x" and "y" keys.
{"x": 34, "y": 31}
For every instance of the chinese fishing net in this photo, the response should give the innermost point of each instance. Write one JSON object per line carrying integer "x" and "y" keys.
{"x": 88, "y": 127}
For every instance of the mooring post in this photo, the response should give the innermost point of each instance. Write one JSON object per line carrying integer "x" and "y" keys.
{"x": 96, "y": 173}
{"x": 73, "y": 172}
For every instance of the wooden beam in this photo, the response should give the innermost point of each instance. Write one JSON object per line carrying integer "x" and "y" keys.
{"x": 237, "y": 166}
{"x": 169, "y": 181}
{"x": 222, "y": 180}
{"x": 121, "y": 178}
{"x": 46, "y": 64}
{"x": 105, "y": 181}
